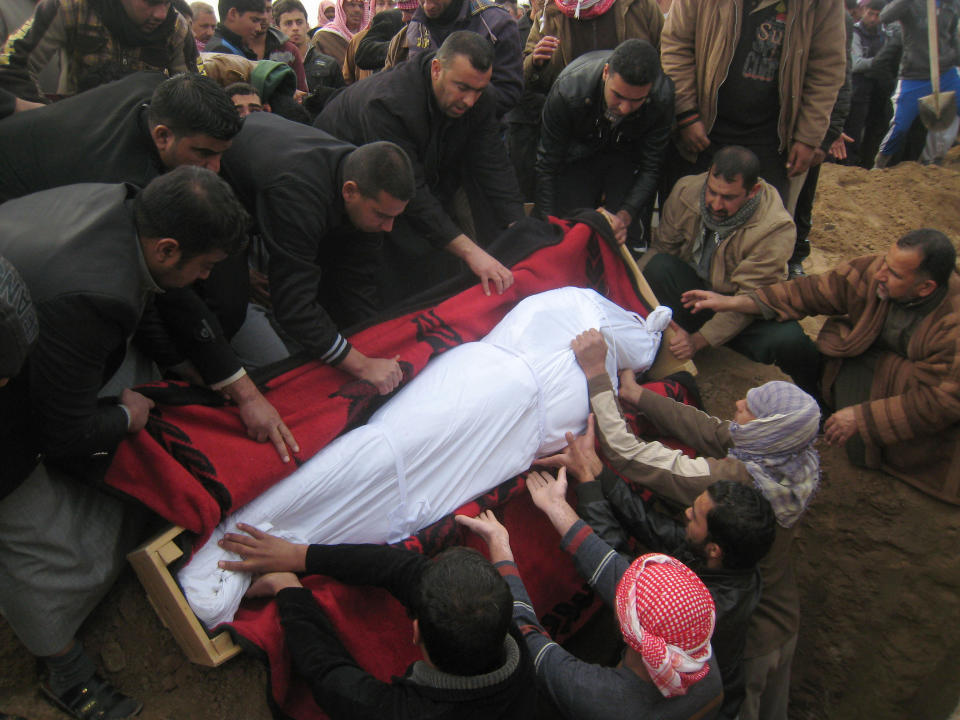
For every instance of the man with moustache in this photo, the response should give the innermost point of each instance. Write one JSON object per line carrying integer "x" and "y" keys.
{"x": 886, "y": 360}
{"x": 436, "y": 108}
{"x": 725, "y": 230}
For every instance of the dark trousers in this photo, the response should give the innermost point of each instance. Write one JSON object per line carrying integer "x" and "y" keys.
{"x": 870, "y": 112}
{"x": 803, "y": 214}
{"x": 783, "y": 344}
{"x": 602, "y": 179}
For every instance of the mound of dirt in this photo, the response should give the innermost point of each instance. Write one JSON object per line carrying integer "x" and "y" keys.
{"x": 876, "y": 562}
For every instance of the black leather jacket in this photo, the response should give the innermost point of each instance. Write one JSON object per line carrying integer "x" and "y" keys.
{"x": 574, "y": 128}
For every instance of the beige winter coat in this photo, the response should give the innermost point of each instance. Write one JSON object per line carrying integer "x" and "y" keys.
{"x": 753, "y": 255}
{"x": 699, "y": 40}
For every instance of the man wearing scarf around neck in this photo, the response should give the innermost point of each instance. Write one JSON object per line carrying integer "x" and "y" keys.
{"x": 768, "y": 445}
{"x": 99, "y": 40}
{"x": 726, "y": 230}
{"x": 886, "y": 359}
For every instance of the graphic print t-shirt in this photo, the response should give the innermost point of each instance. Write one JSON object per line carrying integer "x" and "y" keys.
{"x": 748, "y": 104}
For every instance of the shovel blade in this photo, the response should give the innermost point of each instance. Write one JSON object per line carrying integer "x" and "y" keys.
{"x": 938, "y": 111}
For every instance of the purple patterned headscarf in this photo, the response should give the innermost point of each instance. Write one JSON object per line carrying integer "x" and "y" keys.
{"x": 777, "y": 447}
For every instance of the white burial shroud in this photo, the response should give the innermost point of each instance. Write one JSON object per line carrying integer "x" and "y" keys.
{"x": 475, "y": 416}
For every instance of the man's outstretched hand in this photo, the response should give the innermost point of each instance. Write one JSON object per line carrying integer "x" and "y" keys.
{"x": 492, "y": 532}
{"x": 579, "y": 457}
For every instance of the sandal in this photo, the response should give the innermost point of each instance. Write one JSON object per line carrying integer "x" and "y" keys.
{"x": 95, "y": 699}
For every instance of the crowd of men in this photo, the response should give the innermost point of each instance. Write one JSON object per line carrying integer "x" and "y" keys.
{"x": 204, "y": 197}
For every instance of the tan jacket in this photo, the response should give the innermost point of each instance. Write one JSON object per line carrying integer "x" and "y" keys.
{"x": 634, "y": 19}
{"x": 911, "y": 425}
{"x": 351, "y": 73}
{"x": 699, "y": 41}
{"x": 750, "y": 257}
{"x": 675, "y": 476}
{"x": 226, "y": 68}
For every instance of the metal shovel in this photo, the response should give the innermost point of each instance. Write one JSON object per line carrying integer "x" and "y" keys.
{"x": 938, "y": 110}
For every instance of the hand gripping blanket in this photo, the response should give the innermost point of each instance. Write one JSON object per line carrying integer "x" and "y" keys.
{"x": 474, "y": 417}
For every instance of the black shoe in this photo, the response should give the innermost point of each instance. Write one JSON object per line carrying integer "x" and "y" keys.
{"x": 795, "y": 269}
{"x": 95, "y": 699}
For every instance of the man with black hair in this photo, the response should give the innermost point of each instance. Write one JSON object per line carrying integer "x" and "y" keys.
{"x": 725, "y": 230}
{"x": 240, "y": 22}
{"x": 291, "y": 17}
{"x": 886, "y": 361}
{"x": 726, "y": 531}
{"x": 768, "y": 445}
{"x": 321, "y": 206}
{"x": 138, "y": 128}
{"x": 98, "y": 41}
{"x": 64, "y": 541}
{"x": 435, "y": 20}
{"x": 475, "y": 664}
{"x": 874, "y": 71}
{"x": 665, "y": 613}
{"x": 606, "y": 124}
{"x": 435, "y": 107}
{"x": 246, "y": 99}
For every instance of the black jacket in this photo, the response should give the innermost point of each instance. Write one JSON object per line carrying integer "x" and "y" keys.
{"x": 616, "y": 514}
{"x": 372, "y": 50}
{"x": 103, "y": 136}
{"x": 912, "y": 15}
{"x": 288, "y": 176}
{"x": 77, "y": 250}
{"x": 574, "y": 128}
{"x": 344, "y": 690}
{"x": 399, "y": 105}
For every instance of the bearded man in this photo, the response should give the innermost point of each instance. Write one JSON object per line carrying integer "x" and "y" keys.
{"x": 726, "y": 230}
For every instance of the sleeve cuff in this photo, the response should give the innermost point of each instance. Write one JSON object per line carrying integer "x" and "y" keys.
{"x": 228, "y": 381}
{"x": 126, "y": 412}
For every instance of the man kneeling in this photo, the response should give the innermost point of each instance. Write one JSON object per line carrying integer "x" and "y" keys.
{"x": 475, "y": 664}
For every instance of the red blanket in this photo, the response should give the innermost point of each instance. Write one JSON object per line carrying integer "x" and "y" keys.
{"x": 194, "y": 464}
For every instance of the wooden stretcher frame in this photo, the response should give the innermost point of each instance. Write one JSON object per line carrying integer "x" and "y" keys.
{"x": 151, "y": 560}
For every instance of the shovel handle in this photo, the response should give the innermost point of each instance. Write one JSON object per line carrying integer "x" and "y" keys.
{"x": 934, "y": 49}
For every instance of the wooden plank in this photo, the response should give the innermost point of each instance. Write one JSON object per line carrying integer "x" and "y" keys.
{"x": 666, "y": 363}
{"x": 150, "y": 562}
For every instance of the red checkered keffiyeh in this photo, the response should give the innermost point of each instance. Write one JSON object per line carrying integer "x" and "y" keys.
{"x": 667, "y": 615}
{"x": 583, "y": 9}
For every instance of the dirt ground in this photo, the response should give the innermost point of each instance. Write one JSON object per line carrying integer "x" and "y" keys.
{"x": 877, "y": 563}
